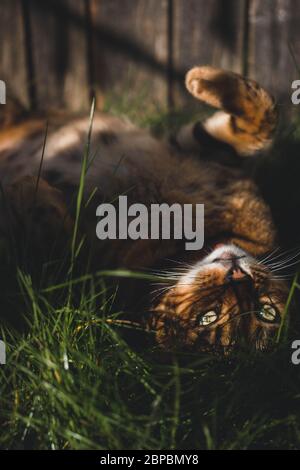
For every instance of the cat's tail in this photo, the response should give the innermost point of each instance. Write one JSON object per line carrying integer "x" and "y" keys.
{"x": 249, "y": 115}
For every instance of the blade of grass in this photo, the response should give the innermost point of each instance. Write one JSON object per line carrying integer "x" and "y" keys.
{"x": 80, "y": 195}
{"x": 283, "y": 325}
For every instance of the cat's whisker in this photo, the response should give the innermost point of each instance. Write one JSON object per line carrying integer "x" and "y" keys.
{"x": 283, "y": 261}
{"x": 166, "y": 276}
{"x": 277, "y": 259}
{"x": 282, "y": 264}
{"x": 173, "y": 272}
{"x": 269, "y": 256}
{"x": 182, "y": 263}
{"x": 158, "y": 292}
{"x": 283, "y": 267}
{"x": 281, "y": 253}
{"x": 281, "y": 278}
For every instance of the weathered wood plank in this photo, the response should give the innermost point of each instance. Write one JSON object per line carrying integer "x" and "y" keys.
{"x": 273, "y": 31}
{"x": 12, "y": 50}
{"x": 76, "y": 82}
{"x": 130, "y": 50}
{"x": 59, "y": 53}
{"x": 207, "y": 32}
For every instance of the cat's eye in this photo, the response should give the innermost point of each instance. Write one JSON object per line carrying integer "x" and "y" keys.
{"x": 207, "y": 318}
{"x": 268, "y": 313}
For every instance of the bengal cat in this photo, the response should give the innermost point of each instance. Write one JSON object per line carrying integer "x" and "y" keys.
{"x": 221, "y": 296}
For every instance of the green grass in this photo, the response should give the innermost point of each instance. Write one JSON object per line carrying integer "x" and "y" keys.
{"x": 72, "y": 381}
{"x": 152, "y": 115}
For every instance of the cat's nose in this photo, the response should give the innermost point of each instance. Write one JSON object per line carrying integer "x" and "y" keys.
{"x": 236, "y": 274}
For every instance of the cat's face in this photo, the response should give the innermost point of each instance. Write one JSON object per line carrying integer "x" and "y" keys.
{"x": 227, "y": 299}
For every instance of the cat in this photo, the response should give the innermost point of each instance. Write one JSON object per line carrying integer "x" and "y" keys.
{"x": 219, "y": 297}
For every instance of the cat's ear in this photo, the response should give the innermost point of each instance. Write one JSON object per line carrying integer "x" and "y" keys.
{"x": 249, "y": 114}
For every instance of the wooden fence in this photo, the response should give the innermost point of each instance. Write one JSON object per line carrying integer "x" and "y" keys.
{"x": 58, "y": 53}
